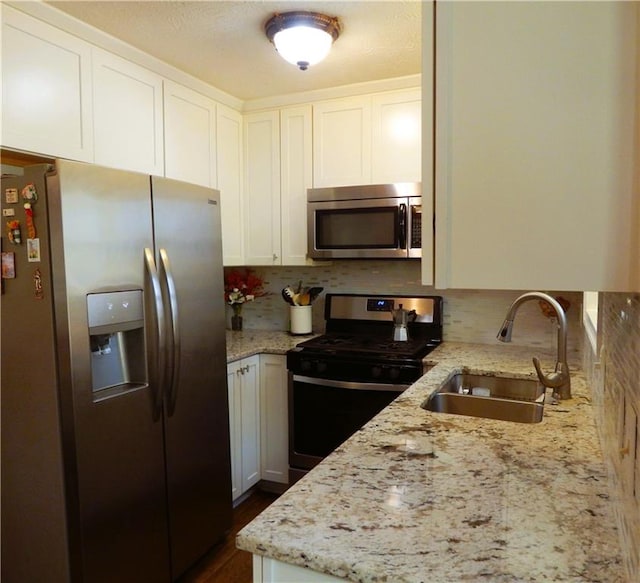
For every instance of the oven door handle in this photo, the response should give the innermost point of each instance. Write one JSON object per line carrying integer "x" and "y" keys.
{"x": 356, "y": 386}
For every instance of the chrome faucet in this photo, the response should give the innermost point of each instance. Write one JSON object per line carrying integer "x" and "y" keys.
{"x": 559, "y": 380}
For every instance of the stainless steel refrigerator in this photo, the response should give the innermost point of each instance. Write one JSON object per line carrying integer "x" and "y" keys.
{"x": 115, "y": 429}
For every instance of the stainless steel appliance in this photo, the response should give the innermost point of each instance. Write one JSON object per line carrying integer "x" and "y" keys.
{"x": 382, "y": 221}
{"x": 340, "y": 380}
{"x": 115, "y": 441}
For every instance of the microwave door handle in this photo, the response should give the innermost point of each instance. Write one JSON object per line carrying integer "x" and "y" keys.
{"x": 402, "y": 243}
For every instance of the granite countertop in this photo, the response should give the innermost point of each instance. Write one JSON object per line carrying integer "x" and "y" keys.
{"x": 421, "y": 496}
{"x": 241, "y": 344}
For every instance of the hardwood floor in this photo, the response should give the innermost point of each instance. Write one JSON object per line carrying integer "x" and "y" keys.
{"x": 225, "y": 563}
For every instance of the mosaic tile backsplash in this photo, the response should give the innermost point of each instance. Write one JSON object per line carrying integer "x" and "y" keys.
{"x": 614, "y": 375}
{"x": 469, "y": 316}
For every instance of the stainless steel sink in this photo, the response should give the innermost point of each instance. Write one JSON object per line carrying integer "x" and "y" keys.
{"x": 491, "y": 397}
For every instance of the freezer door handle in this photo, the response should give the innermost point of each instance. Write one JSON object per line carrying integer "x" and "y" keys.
{"x": 173, "y": 346}
{"x": 156, "y": 335}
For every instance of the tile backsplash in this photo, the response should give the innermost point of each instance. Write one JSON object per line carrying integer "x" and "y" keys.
{"x": 614, "y": 375}
{"x": 469, "y": 315}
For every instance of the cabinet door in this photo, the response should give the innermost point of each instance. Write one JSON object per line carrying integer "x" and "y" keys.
{"x": 267, "y": 570}
{"x": 229, "y": 155}
{"x": 262, "y": 188}
{"x": 427, "y": 125}
{"x": 274, "y": 418}
{"x": 534, "y": 145}
{"x": 396, "y": 137}
{"x": 296, "y": 176}
{"x": 189, "y": 135}
{"x": 46, "y": 89}
{"x": 342, "y": 142}
{"x": 235, "y": 426}
{"x": 244, "y": 423}
{"x": 250, "y": 422}
{"x": 127, "y": 109}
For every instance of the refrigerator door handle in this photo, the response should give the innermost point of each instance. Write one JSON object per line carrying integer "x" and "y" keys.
{"x": 158, "y": 346}
{"x": 173, "y": 347}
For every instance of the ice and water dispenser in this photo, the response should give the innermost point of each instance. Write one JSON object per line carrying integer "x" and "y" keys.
{"x": 116, "y": 334}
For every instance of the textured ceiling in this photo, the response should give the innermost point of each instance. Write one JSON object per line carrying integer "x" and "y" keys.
{"x": 223, "y": 43}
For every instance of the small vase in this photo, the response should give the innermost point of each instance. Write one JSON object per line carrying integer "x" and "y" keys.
{"x": 236, "y": 322}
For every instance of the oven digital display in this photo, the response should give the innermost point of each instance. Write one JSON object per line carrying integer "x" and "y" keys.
{"x": 379, "y": 305}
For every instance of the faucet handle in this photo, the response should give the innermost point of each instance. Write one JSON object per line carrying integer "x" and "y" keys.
{"x": 554, "y": 380}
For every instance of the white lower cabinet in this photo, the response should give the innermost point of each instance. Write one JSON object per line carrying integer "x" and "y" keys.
{"x": 258, "y": 421}
{"x": 266, "y": 570}
{"x": 244, "y": 423}
{"x": 274, "y": 433}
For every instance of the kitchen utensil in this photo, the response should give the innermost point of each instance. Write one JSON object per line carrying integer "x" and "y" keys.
{"x": 304, "y": 299}
{"x": 287, "y": 294}
{"x": 287, "y": 297}
{"x": 314, "y": 292}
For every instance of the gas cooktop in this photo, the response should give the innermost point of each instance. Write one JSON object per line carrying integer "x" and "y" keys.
{"x": 360, "y": 334}
{"x": 352, "y": 344}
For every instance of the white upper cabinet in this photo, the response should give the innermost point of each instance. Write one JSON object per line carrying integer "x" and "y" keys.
{"x": 189, "y": 135}
{"x": 535, "y": 109}
{"x": 342, "y": 142}
{"x": 46, "y": 89}
{"x": 427, "y": 266}
{"x": 262, "y": 188}
{"x": 229, "y": 163}
{"x": 128, "y": 119}
{"x": 278, "y": 172}
{"x": 296, "y": 176}
{"x": 396, "y": 137}
{"x": 371, "y": 139}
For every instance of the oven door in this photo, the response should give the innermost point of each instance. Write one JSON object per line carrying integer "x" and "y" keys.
{"x": 358, "y": 229}
{"x": 323, "y": 413}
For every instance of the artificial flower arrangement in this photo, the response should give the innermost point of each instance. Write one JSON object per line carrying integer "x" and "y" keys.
{"x": 240, "y": 287}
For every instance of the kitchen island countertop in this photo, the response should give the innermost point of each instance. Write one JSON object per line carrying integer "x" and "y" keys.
{"x": 420, "y": 496}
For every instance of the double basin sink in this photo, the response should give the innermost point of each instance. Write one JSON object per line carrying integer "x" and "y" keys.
{"x": 490, "y": 397}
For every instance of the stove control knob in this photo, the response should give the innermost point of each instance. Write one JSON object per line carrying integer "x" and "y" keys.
{"x": 394, "y": 373}
{"x": 376, "y": 372}
{"x": 305, "y": 365}
{"x": 321, "y": 366}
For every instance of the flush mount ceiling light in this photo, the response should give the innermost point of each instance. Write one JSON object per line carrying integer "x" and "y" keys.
{"x": 302, "y": 38}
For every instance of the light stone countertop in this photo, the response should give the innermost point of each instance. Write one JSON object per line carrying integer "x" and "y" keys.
{"x": 241, "y": 344}
{"x": 417, "y": 496}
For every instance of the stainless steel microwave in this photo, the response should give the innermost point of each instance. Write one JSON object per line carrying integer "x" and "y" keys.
{"x": 381, "y": 221}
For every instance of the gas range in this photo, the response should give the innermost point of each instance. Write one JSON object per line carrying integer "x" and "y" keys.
{"x": 358, "y": 344}
{"x": 339, "y": 381}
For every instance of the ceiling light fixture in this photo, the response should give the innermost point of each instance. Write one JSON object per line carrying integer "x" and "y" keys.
{"x": 302, "y": 38}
